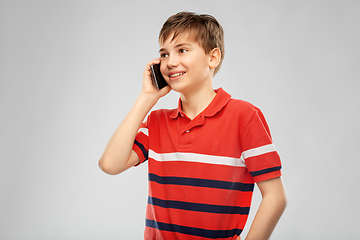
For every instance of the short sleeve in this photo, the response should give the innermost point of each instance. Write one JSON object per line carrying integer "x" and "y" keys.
{"x": 141, "y": 143}
{"x": 259, "y": 153}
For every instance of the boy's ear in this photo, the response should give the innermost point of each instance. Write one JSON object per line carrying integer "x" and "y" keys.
{"x": 215, "y": 56}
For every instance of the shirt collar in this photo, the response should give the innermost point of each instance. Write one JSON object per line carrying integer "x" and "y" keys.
{"x": 218, "y": 103}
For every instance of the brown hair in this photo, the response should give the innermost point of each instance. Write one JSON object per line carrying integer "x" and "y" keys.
{"x": 203, "y": 29}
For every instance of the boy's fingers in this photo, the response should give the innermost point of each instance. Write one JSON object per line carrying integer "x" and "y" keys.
{"x": 154, "y": 61}
{"x": 148, "y": 85}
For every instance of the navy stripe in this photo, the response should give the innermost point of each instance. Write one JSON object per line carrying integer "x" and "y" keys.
{"x": 268, "y": 170}
{"x": 197, "y": 182}
{"x": 198, "y": 207}
{"x": 205, "y": 233}
{"x": 142, "y": 148}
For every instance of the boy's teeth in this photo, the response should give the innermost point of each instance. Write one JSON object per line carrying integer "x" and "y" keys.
{"x": 176, "y": 74}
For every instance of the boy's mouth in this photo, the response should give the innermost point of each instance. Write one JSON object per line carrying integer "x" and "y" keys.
{"x": 176, "y": 74}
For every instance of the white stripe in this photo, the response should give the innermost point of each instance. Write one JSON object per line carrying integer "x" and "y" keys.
{"x": 144, "y": 130}
{"x": 196, "y": 157}
{"x": 258, "y": 151}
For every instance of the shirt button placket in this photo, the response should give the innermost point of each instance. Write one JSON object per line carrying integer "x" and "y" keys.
{"x": 186, "y": 140}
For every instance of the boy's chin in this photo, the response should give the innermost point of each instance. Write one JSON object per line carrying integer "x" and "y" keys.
{"x": 183, "y": 89}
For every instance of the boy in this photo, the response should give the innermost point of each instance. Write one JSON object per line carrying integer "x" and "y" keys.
{"x": 204, "y": 156}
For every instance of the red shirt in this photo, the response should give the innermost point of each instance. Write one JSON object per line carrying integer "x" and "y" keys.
{"x": 202, "y": 171}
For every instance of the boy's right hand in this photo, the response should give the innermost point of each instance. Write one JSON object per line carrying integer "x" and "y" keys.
{"x": 147, "y": 86}
{"x": 118, "y": 154}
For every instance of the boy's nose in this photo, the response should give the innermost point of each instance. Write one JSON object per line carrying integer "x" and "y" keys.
{"x": 173, "y": 61}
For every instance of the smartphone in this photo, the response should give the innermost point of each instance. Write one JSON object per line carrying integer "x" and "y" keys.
{"x": 157, "y": 78}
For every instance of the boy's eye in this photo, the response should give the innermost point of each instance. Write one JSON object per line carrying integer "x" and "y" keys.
{"x": 182, "y": 50}
{"x": 162, "y": 55}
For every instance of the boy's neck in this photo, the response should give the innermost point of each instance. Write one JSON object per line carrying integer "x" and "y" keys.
{"x": 194, "y": 103}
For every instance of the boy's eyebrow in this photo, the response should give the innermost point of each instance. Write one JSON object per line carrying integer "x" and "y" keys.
{"x": 176, "y": 46}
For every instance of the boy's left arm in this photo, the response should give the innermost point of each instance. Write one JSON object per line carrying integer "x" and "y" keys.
{"x": 270, "y": 210}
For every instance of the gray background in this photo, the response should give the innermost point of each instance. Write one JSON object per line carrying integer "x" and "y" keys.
{"x": 70, "y": 71}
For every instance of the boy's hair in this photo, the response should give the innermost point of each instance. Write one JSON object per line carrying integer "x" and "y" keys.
{"x": 203, "y": 29}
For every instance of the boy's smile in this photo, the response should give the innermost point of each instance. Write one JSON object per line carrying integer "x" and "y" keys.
{"x": 184, "y": 64}
{"x": 175, "y": 75}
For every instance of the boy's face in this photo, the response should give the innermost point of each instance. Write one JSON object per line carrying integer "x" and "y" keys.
{"x": 185, "y": 65}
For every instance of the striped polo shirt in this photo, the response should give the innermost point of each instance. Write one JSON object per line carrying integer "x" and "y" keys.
{"x": 202, "y": 171}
